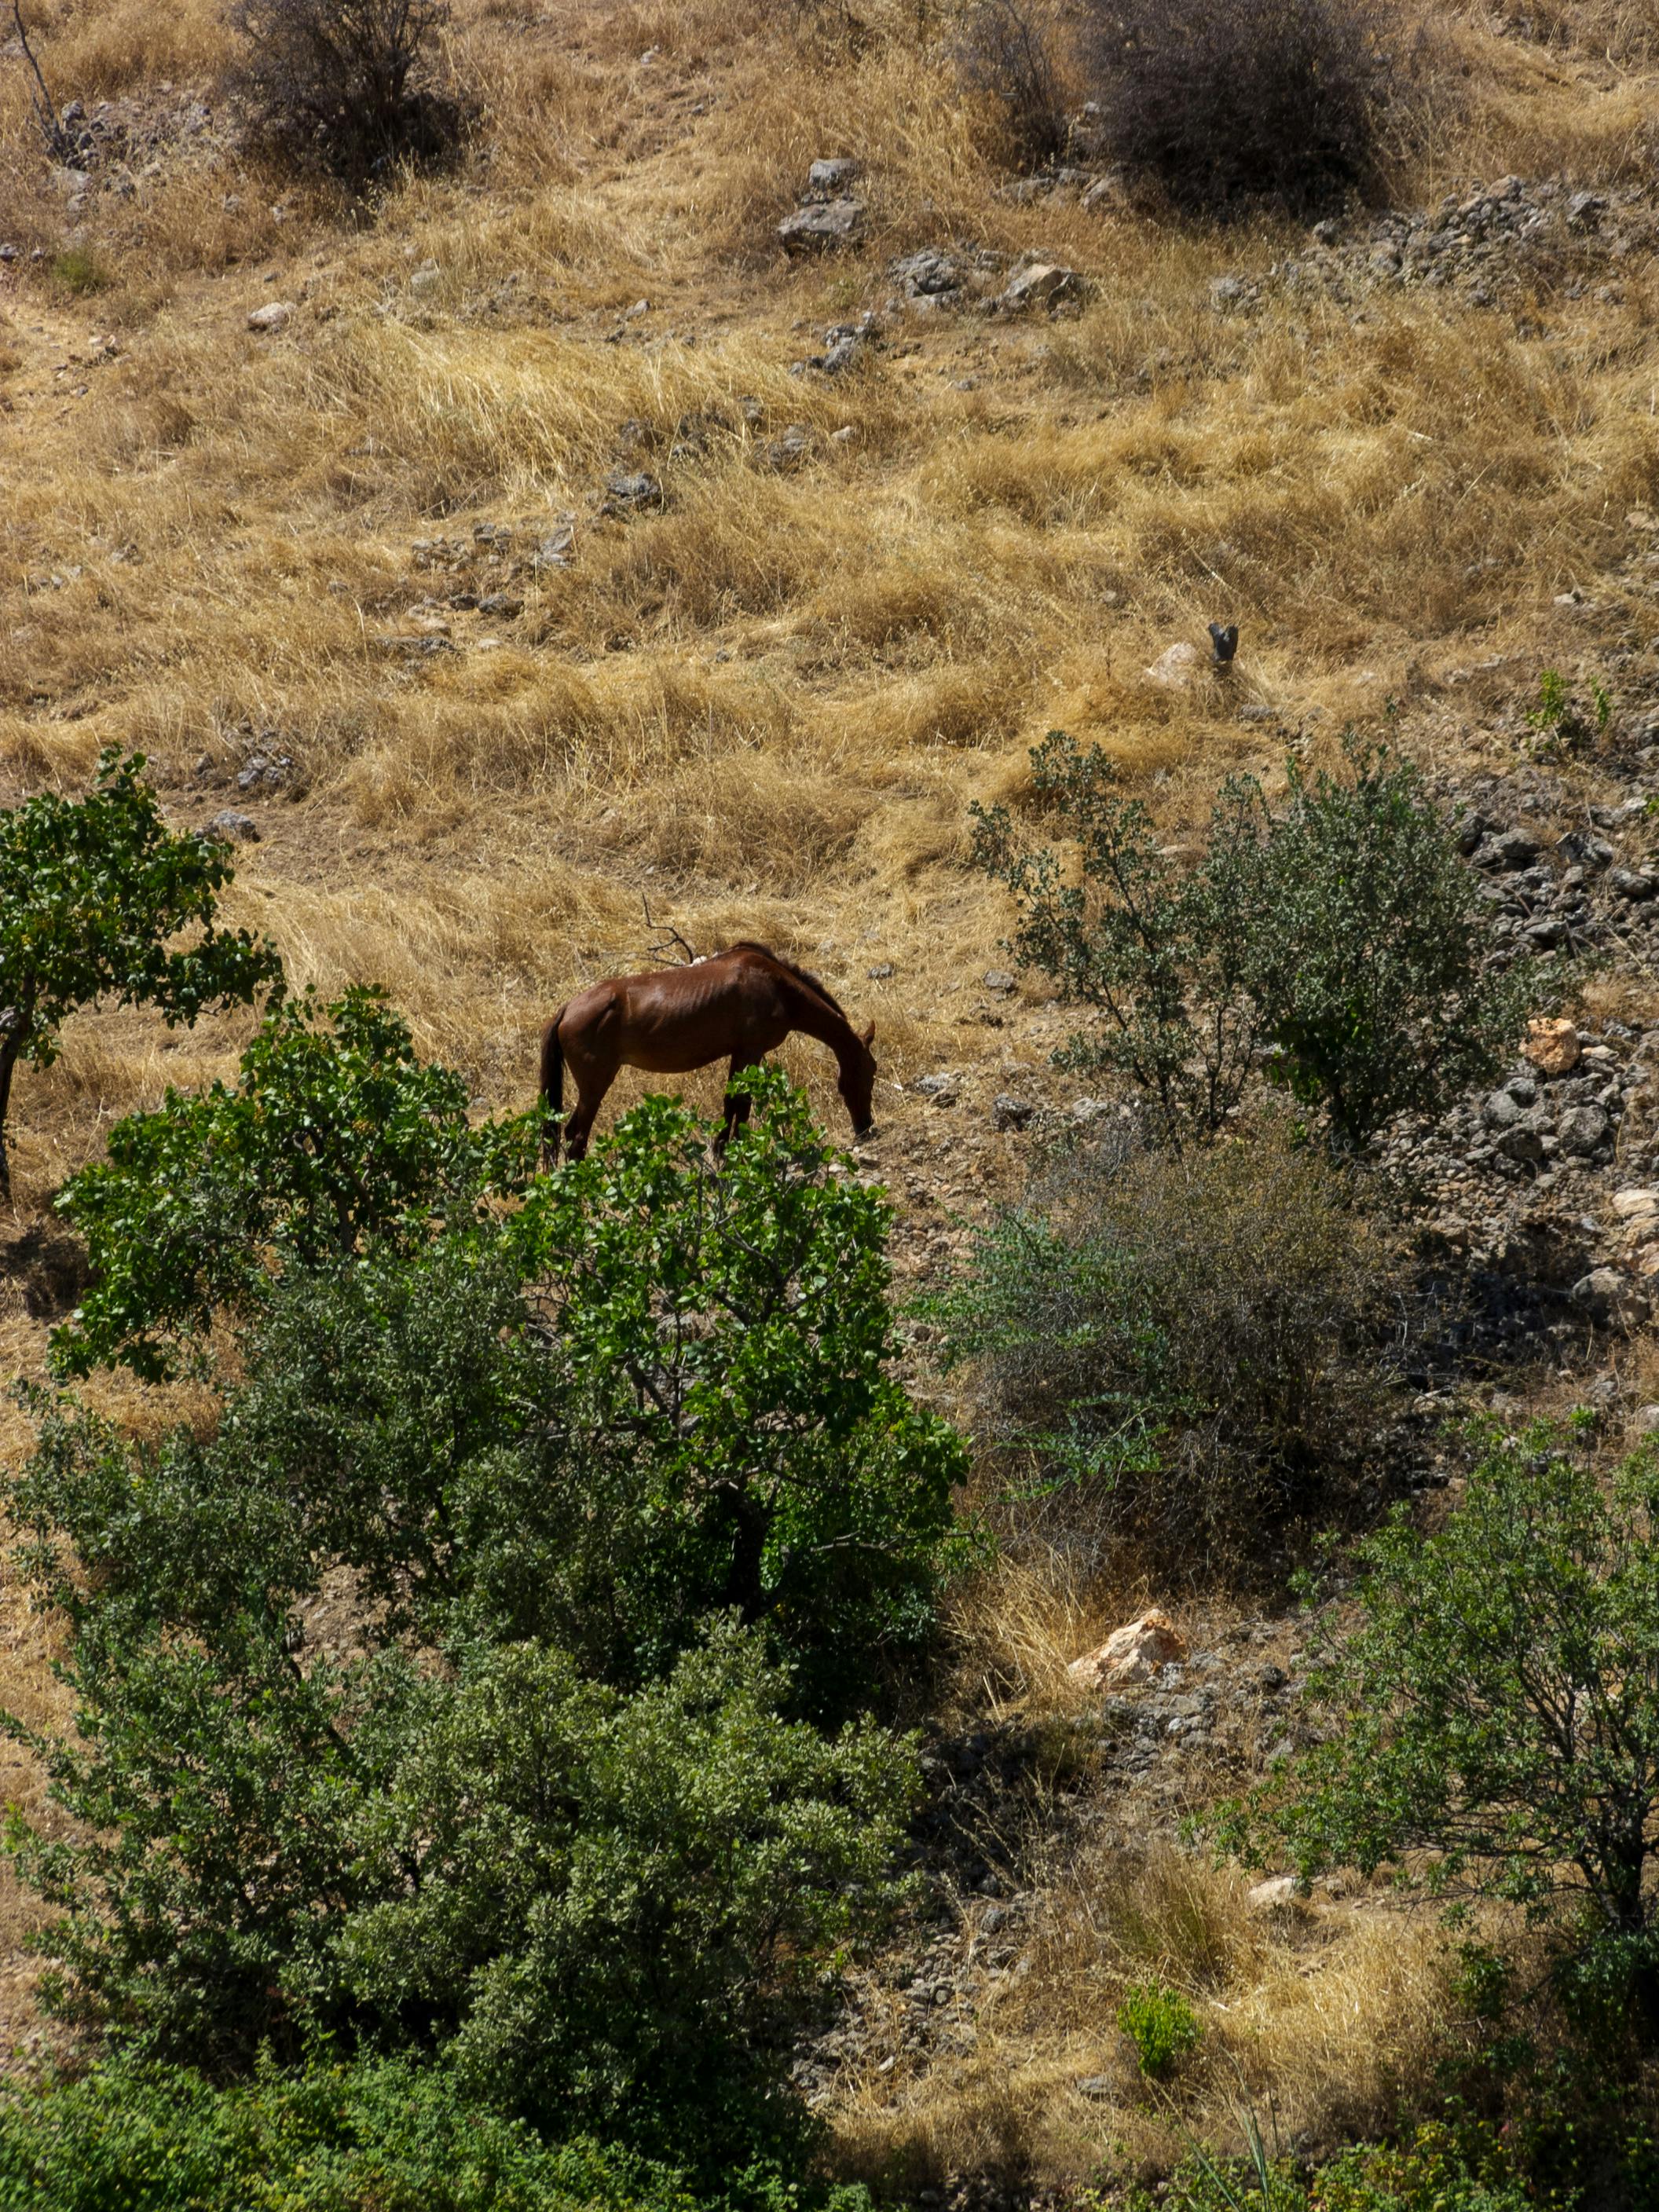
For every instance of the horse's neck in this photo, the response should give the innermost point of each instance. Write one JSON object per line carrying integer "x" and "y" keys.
{"x": 811, "y": 1015}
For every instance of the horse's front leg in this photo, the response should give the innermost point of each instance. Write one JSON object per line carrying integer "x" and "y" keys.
{"x": 737, "y": 1109}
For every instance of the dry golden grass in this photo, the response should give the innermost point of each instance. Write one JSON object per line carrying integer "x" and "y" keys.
{"x": 765, "y": 708}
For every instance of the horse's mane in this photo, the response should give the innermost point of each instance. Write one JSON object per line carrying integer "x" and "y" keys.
{"x": 801, "y": 975}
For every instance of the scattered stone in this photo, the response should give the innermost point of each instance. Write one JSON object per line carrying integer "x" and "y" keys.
{"x": 1634, "y": 885}
{"x": 1636, "y": 1204}
{"x": 1583, "y": 1130}
{"x": 276, "y": 315}
{"x": 1134, "y": 1653}
{"x": 880, "y": 972}
{"x": 1585, "y": 210}
{"x": 1611, "y": 1298}
{"x": 1174, "y": 667}
{"x": 829, "y": 179}
{"x": 997, "y": 979}
{"x": 822, "y": 226}
{"x": 1645, "y": 1420}
{"x": 1269, "y": 1896}
{"x": 427, "y": 278}
{"x": 635, "y": 489}
{"x": 944, "y": 1088}
{"x": 1043, "y": 284}
{"x": 265, "y": 772}
{"x": 1008, "y": 1112}
{"x": 238, "y": 828}
{"x": 789, "y": 448}
{"x": 1553, "y": 1047}
{"x": 927, "y": 274}
{"x": 1506, "y": 849}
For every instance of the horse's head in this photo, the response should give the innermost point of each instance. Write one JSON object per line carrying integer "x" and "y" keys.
{"x": 858, "y": 1084}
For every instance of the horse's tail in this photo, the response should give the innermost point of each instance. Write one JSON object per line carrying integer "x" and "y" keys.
{"x": 552, "y": 1088}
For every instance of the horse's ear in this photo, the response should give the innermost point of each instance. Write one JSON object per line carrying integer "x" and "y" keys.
{"x": 870, "y": 1034}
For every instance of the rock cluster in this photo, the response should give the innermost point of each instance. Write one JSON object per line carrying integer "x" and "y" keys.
{"x": 828, "y": 215}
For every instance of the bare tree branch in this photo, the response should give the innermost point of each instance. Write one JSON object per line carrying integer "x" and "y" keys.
{"x": 56, "y": 139}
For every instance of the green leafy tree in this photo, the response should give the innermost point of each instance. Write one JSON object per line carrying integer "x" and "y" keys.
{"x": 93, "y": 894}
{"x": 1498, "y": 1710}
{"x": 1338, "y": 939}
{"x": 615, "y": 1907}
{"x": 336, "y": 1134}
{"x": 725, "y": 1346}
{"x": 554, "y": 1810}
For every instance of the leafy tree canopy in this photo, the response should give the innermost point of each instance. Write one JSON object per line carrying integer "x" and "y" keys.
{"x": 336, "y": 1133}
{"x": 93, "y": 893}
{"x": 1498, "y": 1709}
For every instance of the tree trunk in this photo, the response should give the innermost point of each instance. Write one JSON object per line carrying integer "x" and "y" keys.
{"x": 8, "y": 1049}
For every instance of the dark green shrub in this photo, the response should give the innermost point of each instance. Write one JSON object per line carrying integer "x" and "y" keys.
{"x": 1162, "y": 2026}
{"x": 333, "y": 1137}
{"x": 92, "y": 892}
{"x": 1338, "y": 936}
{"x": 1496, "y": 1714}
{"x": 1186, "y": 1342}
{"x": 1226, "y": 105}
{"x": 382, "y": 2136}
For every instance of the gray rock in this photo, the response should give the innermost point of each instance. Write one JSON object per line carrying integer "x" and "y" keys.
{"x": 1585, "y": 210}
{"x": 997, "y": 979}
{"x": 944, "y": 1088}
{"x": 276, "y": 315}
{"x": 829, "y": 179}
{"x": 1634, "y": 885}
{"x": 1609, "y": 1297}
{"x": 791, "y": 446}
{"x": 1583, "y": 1130}
{"x": 843, "y": 355}
{"x": 636, "y": 489}
{"x": 1506, "y": 849}
{"x": 238, "y": 828}
{"x": 265, "y": 772}
{"x": 1043, "y": 284}
{"x": 880, "y": 972}
{"x": 1502, "y": 1112}
{"x": 1008, "y": 1112}
{"x": 821, "y": 227}
{"x": 928, "y": 273}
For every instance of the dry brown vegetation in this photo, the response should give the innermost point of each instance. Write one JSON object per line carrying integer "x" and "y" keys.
{"x": 765, "y": 707}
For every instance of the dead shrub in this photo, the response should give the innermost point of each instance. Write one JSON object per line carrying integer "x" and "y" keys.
{"x": 1166, "y": 1352}
{"x": 1227, "y": 105}
{"x": 1007, "y": 58}
{"x": 350, "y": 86}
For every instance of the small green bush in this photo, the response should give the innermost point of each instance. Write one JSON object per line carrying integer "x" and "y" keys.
{"x": 1496, "y": 1717}
{"x": 1338, "y": 935}
{"x": 77, "y": 270}
{"x": 1162, "y": 2026}
{"x": 1437, "y": 2168}
{"x": 95, "y": 893}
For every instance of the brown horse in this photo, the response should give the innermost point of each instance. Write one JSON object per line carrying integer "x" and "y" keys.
{"x": 739, "y": 1005}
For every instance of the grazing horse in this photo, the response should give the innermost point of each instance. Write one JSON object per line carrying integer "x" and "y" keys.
{"x": 738, "y": 1004}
